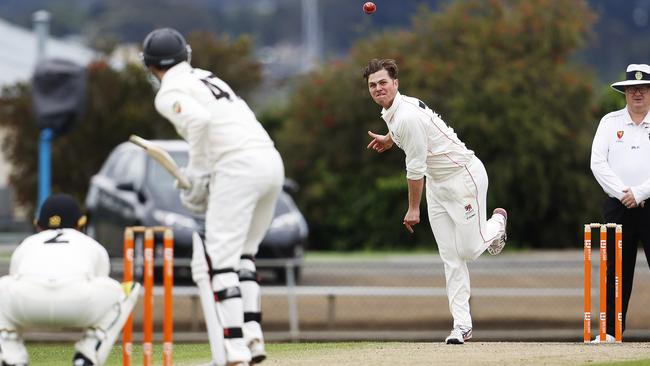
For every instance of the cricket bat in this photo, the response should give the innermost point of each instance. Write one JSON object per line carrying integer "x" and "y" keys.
{"x": 163, "y": 158}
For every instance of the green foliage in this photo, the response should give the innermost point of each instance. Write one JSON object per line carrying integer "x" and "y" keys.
{"x": 230, "y": 60}
{"x": 498, "y": 72}
{"x": 119, "y": 103}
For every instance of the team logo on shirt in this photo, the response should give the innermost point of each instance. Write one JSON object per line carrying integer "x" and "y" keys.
{"x": 176, "y": 107}
{"x": 619, "y": 134}
{"x": 469, "y": 211}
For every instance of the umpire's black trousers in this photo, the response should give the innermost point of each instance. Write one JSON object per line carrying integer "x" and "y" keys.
{"x": 636, "y": 227}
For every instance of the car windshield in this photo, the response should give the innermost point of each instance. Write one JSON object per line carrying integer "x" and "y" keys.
{"x": 161, "y": 183}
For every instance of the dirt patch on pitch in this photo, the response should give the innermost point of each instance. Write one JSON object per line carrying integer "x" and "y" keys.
{"x": 479, "y": 353}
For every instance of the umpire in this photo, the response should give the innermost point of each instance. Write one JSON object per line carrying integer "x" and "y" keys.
{"x": 620, "y": 161}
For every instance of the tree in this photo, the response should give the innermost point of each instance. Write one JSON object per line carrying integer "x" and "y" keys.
{"x": 119, "y": 103}
{"x": 499, "y": 73}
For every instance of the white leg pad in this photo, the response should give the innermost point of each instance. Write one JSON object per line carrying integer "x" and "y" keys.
{"x": 201, "y": 276}
{"x": 98, "y": 340}
{"x": 230, "y": 311}
{"x": 13, "y": 347}
{"x": 251, "y": 299}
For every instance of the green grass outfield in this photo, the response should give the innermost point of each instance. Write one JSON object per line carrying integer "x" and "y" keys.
{"x": 387, "y": 353}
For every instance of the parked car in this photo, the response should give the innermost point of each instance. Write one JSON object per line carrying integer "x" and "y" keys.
{"x": 131, "y": 189}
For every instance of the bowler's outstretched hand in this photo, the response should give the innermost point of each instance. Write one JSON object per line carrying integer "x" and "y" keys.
{"x": 380, "y": 143}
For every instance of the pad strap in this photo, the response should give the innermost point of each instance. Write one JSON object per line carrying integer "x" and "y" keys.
{"x": 247, "y": 275}
{"x": 214, "y": 272}
{"x": 227, "y": 293}
{"x": 248, "y": 256}
{"x": 252, "y": 317}
{"x": 230, "y": 333}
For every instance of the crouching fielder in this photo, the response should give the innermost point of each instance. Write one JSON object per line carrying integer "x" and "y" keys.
{"x": 58, "y": 278}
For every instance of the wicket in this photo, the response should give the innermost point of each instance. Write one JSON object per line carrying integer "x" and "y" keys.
{"x": 618, "y": 258}
{"x": 148, "y": 279}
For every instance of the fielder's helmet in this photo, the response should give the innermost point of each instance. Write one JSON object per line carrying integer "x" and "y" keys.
{"x": 60, "y": 211}
{"x": 164, "y": 48}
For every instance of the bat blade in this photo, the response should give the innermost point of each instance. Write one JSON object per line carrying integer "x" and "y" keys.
{"x": 163, "y": 158}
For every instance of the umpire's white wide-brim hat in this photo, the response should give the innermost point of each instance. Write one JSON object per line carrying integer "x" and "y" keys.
{"x": 636, "y": 74}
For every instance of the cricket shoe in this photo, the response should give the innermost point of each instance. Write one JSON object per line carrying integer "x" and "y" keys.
{"x": 459, "y": 335}
{"x": 80, "y": 360}
{"x": 497, "y": 244}
{"x": 608, "y": 339}
{"x": 258, "y": 354}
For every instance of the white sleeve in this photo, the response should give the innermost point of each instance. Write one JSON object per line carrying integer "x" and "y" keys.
{"x": 642, "y": 191}
{"x": 608, "y": 180}
{"x": 191, "y": 120}
{"x": 414, "y": 144}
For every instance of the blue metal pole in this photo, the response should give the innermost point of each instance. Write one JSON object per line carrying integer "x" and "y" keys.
{"x": 44, "y": 165}
{"x": 41, "y": 20}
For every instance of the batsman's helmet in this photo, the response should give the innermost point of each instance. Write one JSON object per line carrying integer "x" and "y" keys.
{"x": 164, "y": 48}
{"x": 60, "y": 211}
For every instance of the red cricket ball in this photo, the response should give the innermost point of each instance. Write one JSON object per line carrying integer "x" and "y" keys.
{"x": 369, "y": 7}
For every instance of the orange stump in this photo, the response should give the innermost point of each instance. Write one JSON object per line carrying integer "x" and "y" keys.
{"x": 587, "y": 284}
{"x": 618, "y": 257}
{"x": 148, "y": 281}
{"x": 619, "y": 284}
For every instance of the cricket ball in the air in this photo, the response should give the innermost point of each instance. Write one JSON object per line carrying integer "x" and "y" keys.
{"x": 369, "y": 7}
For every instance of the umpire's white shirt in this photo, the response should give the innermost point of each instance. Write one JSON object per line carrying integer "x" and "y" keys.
{"x": 208, "y": 115}
{"x": 432, "y": 148}
{"x": 620, "y": 155}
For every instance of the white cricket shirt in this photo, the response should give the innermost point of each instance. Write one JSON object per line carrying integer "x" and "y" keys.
{"x": 59, "y": 254}
{"x": 620, "y": 155}
{"x": 432, "y": 148}
{"x": 208, "y": 115}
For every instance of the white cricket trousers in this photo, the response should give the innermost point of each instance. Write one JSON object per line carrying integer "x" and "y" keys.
{"x": 457, "y": 215}
{"x": 27, "y": 302}
{"x": 243, "y": 193}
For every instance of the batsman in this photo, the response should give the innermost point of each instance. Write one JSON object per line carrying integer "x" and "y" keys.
{"x": 236, "y": 175}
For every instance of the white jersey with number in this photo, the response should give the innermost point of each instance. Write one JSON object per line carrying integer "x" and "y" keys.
{"x": 247, "y": 173}
{"x": 208, "y": 115}
{"x": 60, "y": 254}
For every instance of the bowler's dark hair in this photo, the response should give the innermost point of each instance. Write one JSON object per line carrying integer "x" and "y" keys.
{"x": 376, "y": 64}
